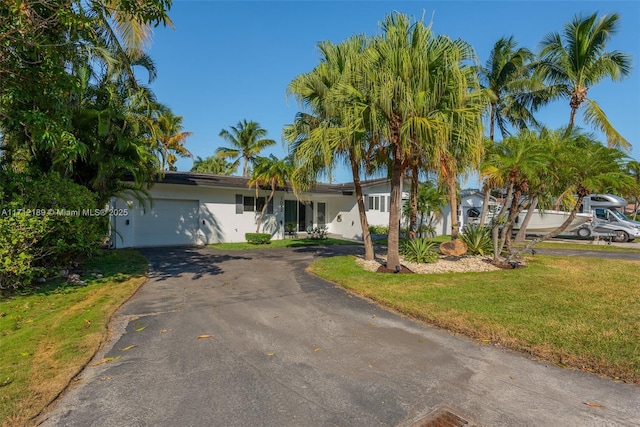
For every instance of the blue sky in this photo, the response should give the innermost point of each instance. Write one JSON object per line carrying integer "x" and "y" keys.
{"x": 232, "y": 60}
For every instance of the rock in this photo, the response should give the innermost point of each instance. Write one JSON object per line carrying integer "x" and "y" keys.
{"x": 99, "y": 276}
{"x": 453, "y": 248}
{"x": 42, "y": 280}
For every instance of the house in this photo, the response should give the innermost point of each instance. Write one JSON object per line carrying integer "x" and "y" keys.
{"x": 198, "y": 209}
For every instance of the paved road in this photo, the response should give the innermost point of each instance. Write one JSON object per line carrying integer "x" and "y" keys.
{"x": 288, "y": 349}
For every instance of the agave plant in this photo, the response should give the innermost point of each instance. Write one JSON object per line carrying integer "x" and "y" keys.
{"x": 478, "y": 239}
{"x": 419, "y": 251}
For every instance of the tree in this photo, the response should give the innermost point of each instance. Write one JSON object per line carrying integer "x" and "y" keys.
{"x": 520, "y": 162}
{"x": 269, "y": 172}
{"x": 577, "y": 60}
{"x": 170, "y": 139}
{"x": 598, "y": 169}
{"x": 331, "y": 133}
{"x": 214, "y": 165}
{"x": 247, "y": 140}
{"x": 507, "y": 77}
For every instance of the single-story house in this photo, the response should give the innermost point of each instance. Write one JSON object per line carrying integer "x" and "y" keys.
{"x": 197, "y": 209}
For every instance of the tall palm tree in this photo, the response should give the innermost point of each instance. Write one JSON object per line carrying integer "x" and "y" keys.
{"x": 417, "y": 99}
{"x": 213, "y": 165}
{"x": 269, "y": 172}
{"x": 330, "y": 135}
{"x": 170, "y": 139}
{"x": 247, "y": 140}
{"x": 577, "y": 60}
{"x": 507, "y": 77}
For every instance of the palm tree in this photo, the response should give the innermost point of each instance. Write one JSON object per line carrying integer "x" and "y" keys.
{"x": 598, "y": 169}
{"x": 269, "y": 172}
{"x": 329, "y": 135}
{"x": 213, "y": 165}
{"x": 519, "y": 162}
{"x": 575, "y": 61}
{"x": 171, "y": 139}
{"x": 247, "y": 140}
{"x": 507, "y": 77}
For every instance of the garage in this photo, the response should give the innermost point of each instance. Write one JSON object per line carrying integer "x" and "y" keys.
{"x": 167, "y": 223}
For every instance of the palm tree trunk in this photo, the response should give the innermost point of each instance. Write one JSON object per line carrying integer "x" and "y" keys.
{"x": 369, "y": 254}
{"x": 520, "y": 236}
{"x": 453, "y": 201}
{"x": 485, "y": 206}
{"x": 413, "y": 216}
{"x": 492, "y": 119}
{"x": 395, "y": 200}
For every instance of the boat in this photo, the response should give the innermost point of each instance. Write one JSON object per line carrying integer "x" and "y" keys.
{"x": 546, "y": 221}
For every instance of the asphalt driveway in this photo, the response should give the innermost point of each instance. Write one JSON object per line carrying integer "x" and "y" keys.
{"x": 249, "y": 339}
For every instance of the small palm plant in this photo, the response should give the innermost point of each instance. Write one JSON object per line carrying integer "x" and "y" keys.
{"x": 478, "y": 239}
{"x": 419, "y": 251}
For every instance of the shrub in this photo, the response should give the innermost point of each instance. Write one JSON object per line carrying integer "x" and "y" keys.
{"x": 46, "y": 221}
{"x": 379, "y": 229}
{"x": 419, "y": 251}
{"x": 478, "y": 239}
{"x": 317, "y": 233}
{"x": 258, "y": 238}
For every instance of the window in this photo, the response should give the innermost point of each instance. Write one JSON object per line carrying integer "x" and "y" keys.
{"x": 374, "y": 203}
{"x": 249, "y": 204}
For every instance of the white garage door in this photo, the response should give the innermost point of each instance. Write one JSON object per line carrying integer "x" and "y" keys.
{"x": 169, "y": 222}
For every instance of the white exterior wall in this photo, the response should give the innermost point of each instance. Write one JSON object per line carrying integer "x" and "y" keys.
{"x": 217, "y": 218}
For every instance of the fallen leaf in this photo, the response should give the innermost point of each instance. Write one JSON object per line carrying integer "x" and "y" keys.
{"x": 87, "y": 323}
{"x": 275, "y": 317}
{"x": 373, "y": 317}
{"x": 105, "y": 360}
{"x": 129, "y": 347}
{"x": 270, "y": 354}
{"x": 105, "y": 378}
{"x": 317, "y": 349}
{"x": 511, "y": 378}
{"x": 141, "y": 328}
{"x": 204, "y": 336}
{"x": 593, "y": 404}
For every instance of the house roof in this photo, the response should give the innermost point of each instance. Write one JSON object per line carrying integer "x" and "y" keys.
{"x": 225, "y": 181}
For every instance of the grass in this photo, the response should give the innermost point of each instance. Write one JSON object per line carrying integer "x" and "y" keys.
{"x": 284, "y": 243}
{"x": 575, "y": 312}
{"x": 47, "y": 336}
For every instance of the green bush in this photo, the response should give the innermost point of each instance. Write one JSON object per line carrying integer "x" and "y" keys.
{"x": 317, "y": 233}
{"x": 478, "y": 239}
{"x": 46, "y": 222}
{"x": 419, "y": 250}
{"x": 379, "y": 229}
{"x": 258, "y": 238}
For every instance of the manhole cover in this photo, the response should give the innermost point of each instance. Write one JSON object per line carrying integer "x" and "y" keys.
{"x": 442, "y": 417}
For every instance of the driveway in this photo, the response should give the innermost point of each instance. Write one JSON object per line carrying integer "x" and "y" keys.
{"x": 249, "y": 339}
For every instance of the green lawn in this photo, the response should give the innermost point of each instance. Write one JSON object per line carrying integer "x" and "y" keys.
{"x": 570, "y": 311}
{"x": 46, "y": 337}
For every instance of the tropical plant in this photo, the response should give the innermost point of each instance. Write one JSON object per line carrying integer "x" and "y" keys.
{"x": 507, "y": 75}
{"x": 419, "y": 250}
{"x": 577, "y": 60}
{"x": 214, "y": 165}
{"x": 317, "y": 233}
{"x": 478, "y": 239}
{"x": 331, "y": 133}
{"x": 272, "y": 173}
{"x": 170, "y": 139}
{"x": 246, "y": 140}
{"x": 408, "y": 117}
